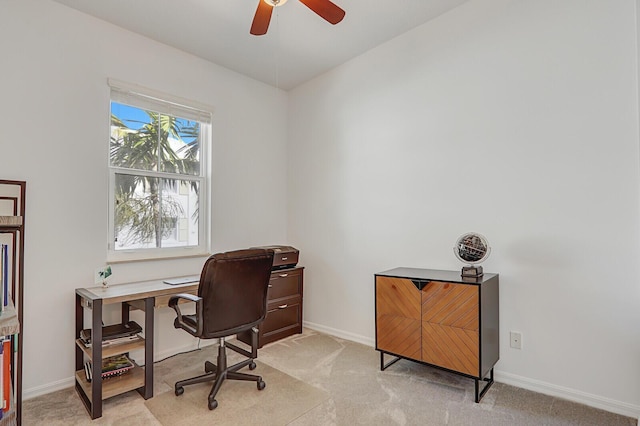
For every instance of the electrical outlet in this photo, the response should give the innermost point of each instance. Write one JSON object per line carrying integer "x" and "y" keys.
{"x": 516, "y": 340}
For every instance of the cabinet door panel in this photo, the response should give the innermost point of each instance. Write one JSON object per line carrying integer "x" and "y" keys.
{"x": 397, "y": 296}
{"x": 398, "y": 303}
{"x": 450, "y": 304}
{"x": 450, "y": 347}
{"x": 399, "y": 335}
{"x": 450, "y": 321}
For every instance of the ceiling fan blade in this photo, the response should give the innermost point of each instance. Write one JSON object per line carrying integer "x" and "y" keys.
{"x": 327, "y": 10}
{"x": 261, "y": 19}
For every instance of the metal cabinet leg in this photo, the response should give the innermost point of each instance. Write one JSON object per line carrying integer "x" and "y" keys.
{"x": 489, "y": 381}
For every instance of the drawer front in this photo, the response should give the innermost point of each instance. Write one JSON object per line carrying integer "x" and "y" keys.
{"x": 283, "y": 317}
{"x": 285, "y": 283}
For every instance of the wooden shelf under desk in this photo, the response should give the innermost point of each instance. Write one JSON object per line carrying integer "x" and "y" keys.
{"x": 115, "y": 349}
{"x": 112, "y": 386}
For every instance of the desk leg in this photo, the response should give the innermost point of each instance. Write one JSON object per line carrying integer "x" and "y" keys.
{"x": 96, "y": 359}
{"x": 79, "y": 325}
{"x": 126, "y": 308}
{"x": 147, "y": 390}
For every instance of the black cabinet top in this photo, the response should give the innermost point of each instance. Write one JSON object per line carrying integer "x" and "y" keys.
{"x": 435, "y": 275}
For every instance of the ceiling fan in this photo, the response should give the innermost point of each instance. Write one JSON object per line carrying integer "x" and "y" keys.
{"x": 324, "y": 8}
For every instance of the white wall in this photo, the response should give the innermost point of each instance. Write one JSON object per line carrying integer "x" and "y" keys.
{"x": 54, "y": 115}
{"x": 516, "y": 119}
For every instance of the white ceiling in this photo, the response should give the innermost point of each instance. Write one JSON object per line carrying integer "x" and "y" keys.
{"x": 298, "y": 47}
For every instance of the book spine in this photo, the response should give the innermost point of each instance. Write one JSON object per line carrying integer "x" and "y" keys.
{"x": 5, "y": 284}
{"x": 4, "y": 378}
{"x": 6, "y": 369}
{"x": 87, "y": 371}
{"x": 3, "y": 273}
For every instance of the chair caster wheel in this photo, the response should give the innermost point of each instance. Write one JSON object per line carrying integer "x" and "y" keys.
{"x": 252, "y": 366}
{"x": 213, "y": 404}
{"x": 261, "y": 384}
{"x": 179, "y": 390}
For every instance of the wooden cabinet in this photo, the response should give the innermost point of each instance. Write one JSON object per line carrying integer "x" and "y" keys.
{"x": 284, "y": 307}
{"x": 439, "y": 318}
{"x": 12, "y": 211}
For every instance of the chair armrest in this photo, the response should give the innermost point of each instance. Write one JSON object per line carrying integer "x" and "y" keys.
{"x": 179, "y": 321}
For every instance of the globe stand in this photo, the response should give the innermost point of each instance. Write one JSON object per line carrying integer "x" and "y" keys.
{"x": 472, "y": 271}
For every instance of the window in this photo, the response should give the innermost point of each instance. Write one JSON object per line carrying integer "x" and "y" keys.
{"x": 158, "y": 175}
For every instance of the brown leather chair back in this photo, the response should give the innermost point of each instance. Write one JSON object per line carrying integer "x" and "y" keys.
{"x": 233, "y": 287}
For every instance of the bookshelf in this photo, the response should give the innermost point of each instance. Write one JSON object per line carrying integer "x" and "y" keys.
{"x": 12, "y": 212}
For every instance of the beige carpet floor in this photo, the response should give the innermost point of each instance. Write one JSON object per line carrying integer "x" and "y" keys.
{"x": 239, "y": 403}
{"x": 310, "y": 367}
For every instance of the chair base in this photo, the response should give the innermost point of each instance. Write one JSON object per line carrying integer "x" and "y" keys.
{"x": 220, "y": 372}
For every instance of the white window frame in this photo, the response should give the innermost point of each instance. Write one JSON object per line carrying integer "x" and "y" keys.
{"x": 144, "y": 98}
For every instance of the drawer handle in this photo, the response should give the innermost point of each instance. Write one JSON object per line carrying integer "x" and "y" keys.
{"x": 270, "y": 285}
{"x": 284, "y": 275}
{"x": 283, "y": 306}
{"x": 284, "y": 258}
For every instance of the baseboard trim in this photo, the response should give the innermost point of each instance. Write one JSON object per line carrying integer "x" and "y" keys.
{"x": 622, "y": 408}
{"x": 48, "y": 388}
{"x": 618, "y": 407}
{"x": 340, "y": 333}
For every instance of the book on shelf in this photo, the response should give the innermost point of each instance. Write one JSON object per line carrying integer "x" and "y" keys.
{"x": 5, "y": 276}
{"x": 3, "y": 356}
{"x": 116, "y": 365}
{"x": 6, "y": 373}
{"x": 113, "y": 332}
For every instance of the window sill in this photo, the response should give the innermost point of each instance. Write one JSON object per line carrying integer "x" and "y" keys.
{"x": 135, "y": 256}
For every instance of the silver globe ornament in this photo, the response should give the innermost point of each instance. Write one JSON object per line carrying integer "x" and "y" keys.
{"x": 472, "y": 248}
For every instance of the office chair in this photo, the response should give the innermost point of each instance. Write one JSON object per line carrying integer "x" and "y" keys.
{"x": 232, "y": 298}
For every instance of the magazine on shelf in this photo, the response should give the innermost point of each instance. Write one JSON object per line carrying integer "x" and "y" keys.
{"x": 112, "y": 366}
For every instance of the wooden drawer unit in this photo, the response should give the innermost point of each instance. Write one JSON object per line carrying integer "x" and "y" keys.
{"x": 284, "y": 307}
{"x": 437, "y": 318}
